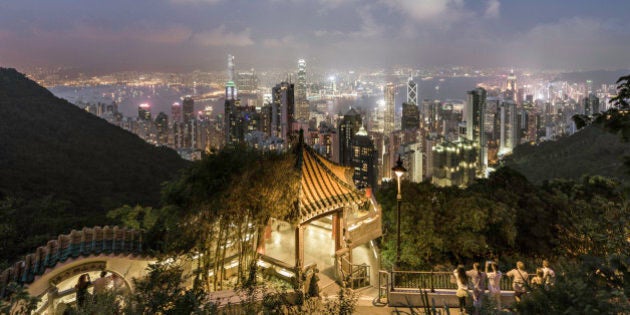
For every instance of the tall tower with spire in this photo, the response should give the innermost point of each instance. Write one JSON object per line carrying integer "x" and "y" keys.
{"x": 412, "y": 92}
{"x": 389, "y": 92}
{"x": 301, "y": 103}
{"x": 230, "y": 68}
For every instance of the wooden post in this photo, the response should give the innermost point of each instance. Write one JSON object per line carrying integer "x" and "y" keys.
{"x": 299, "y": 247}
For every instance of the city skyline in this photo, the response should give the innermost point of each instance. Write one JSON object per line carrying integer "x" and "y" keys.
{"x": 181, "y": 35}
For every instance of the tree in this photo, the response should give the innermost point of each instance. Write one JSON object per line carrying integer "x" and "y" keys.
{"x": 623, "y": 93}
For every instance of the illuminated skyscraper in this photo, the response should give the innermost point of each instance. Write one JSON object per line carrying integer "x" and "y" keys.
{"x": 230, "y": 65}
{"x": 412, "y": 92}
{"x": 176, "y": 113}
{"x": 247, "y": 82}
{"x": 364, "y": 160}
{"x": 283, "y": 110}
{"x": 144, "y": 112}
{"x": 301, "y": 103}
{"x": 390, "y": 91}
{"x": 508, "y": 127}
{"x": 410, "y": 116}
{"x": 348, "y": 127}
{"x": 475, "y": 124}
{"x": 511, "y": 85}
{"x": 188, "y": 108}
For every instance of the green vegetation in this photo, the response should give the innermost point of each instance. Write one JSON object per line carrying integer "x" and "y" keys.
{"x": 63, "y": 168}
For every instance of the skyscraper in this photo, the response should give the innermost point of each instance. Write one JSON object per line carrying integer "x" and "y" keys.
{"x": 188, "y": 108}
{"x": 475, "y": 123}
{"x": 410, "y": 116}
{"x": 144, "y": 112}
{"x": 348, "y": 127}
{"x": 364, "y": 160}
{"x": 176, "y": 113}
{"x": 283, "y": 110}
{"x": 508, "y": 127}
{"x": 301, "y": 103}
{"x": 390, "y": 91}
{"x": 412, "y": 92}
{"x": 230, "y": 68}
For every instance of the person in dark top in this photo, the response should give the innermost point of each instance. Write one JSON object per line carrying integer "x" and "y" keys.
{"x": 82, "y": 289}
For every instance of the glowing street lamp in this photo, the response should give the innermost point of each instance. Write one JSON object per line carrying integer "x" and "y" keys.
{"x": 399, "y": 170}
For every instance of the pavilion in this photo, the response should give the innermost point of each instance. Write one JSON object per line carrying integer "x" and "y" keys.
{"x": 332, "y": 220}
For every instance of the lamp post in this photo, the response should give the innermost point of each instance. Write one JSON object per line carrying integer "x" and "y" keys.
{"x": 399, "y": 170}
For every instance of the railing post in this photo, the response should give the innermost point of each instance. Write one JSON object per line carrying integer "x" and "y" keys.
{"x": 432, "y": 286}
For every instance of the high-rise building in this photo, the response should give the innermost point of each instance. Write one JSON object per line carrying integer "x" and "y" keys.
{"x": 188, "y": 108}
{"x": 230, "y": 68}
{"x": 453, "y": 163}
{"x": 283, "y": 110}
{"x": 511, "y": 85}
{"x": 364, "y": 160}
{"x": 247, "y": 82}
{"x": 144, "y": 112}
{"x": 412, "y": 92}
{"x": 161, "y": 124}
{"x": 474, "y": 115}
{"x": 348, "y": 127}
{"x": 410, "y": 116}
{"x": 508, "y": 127}
{"x": 301, "y": 102}
{"x": 389, "y": 92}
{"x": 176, "y": 113}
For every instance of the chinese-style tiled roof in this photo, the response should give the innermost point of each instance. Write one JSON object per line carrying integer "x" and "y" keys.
{"x": 324, "y": 185}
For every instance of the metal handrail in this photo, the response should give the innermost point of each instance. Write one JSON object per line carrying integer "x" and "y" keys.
{"x": 412, "y": 280}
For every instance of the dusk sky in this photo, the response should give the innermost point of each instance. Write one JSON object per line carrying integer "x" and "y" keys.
{"x": 182, "y": 35}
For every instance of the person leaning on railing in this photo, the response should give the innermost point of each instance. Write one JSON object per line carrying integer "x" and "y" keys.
{"x": 493, "y": 274}
{"x": 519, "y": 279}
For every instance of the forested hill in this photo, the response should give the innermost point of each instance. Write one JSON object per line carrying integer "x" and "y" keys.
{"x": 590, "y": 151}
{"x": 56, "y": 156}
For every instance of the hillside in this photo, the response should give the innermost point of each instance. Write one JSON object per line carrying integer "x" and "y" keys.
{"x": 590, "y": 151}
{"x": 62, "y": 168}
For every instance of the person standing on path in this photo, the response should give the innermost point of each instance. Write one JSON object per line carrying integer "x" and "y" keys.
{"x": 462, "y": 287}
{"x": 494, "y": 282}
{"x": 519, "y": 280}
{"x": 478, "y": 282}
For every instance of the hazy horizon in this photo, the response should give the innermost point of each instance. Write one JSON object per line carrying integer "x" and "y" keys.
{"x": 183, "y": 35}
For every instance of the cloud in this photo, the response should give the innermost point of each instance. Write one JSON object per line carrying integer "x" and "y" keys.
{"x": 222, "y": 37}
{"x": 195, "y": 1}
{"x": 275, "y": 42}
{"x": 492, "y": 9}
{"x": 428, "y": 10}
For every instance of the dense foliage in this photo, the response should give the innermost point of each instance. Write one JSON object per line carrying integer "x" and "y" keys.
{"x": 63, "y": 168}
{"x": 504, "y": 216}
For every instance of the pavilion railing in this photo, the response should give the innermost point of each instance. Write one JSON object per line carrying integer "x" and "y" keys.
{"x": 432, "y": 280}
{"x": 357, "y": 276}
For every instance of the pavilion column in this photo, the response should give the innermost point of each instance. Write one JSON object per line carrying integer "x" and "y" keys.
{"x": 299, "y": 247}
{"x": 336, "y": 229}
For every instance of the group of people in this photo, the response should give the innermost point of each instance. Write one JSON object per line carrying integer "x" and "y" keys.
{"x": 100, "y": 286}
{"x": 475, "y": 280}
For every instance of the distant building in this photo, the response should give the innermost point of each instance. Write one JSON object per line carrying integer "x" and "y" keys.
{"x": 364, "y": 160}
{"x": 348, "y": 127}
{"x": 410, "y": 116}
{"x": 454, "y": 163}
{"x": 412, "y": 92}
{"x": 390, "y": 91}
{"x": 508, "y": 127}
{"x": 176, "y": 113}
{"x": 283, "y": 110}
{"x": 247, "y": 82}
{"x": 144, "y": 112}
{"x": 188, "y": 108}
{"x": 475, "y": 115}
{"x": 301, "y": 102}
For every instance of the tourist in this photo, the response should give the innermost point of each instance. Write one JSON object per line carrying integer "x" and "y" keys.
{"x": 82, "y": 289}
{"x": 519, "y": 280}
{"x": 462, "y": 287}
{"x": 494, "y": 282}
{"x": 100, "y": 284}
{"x": 549, "y": 276}
{"x": 478, "y": 282}
{"x": 538, "y": 279}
